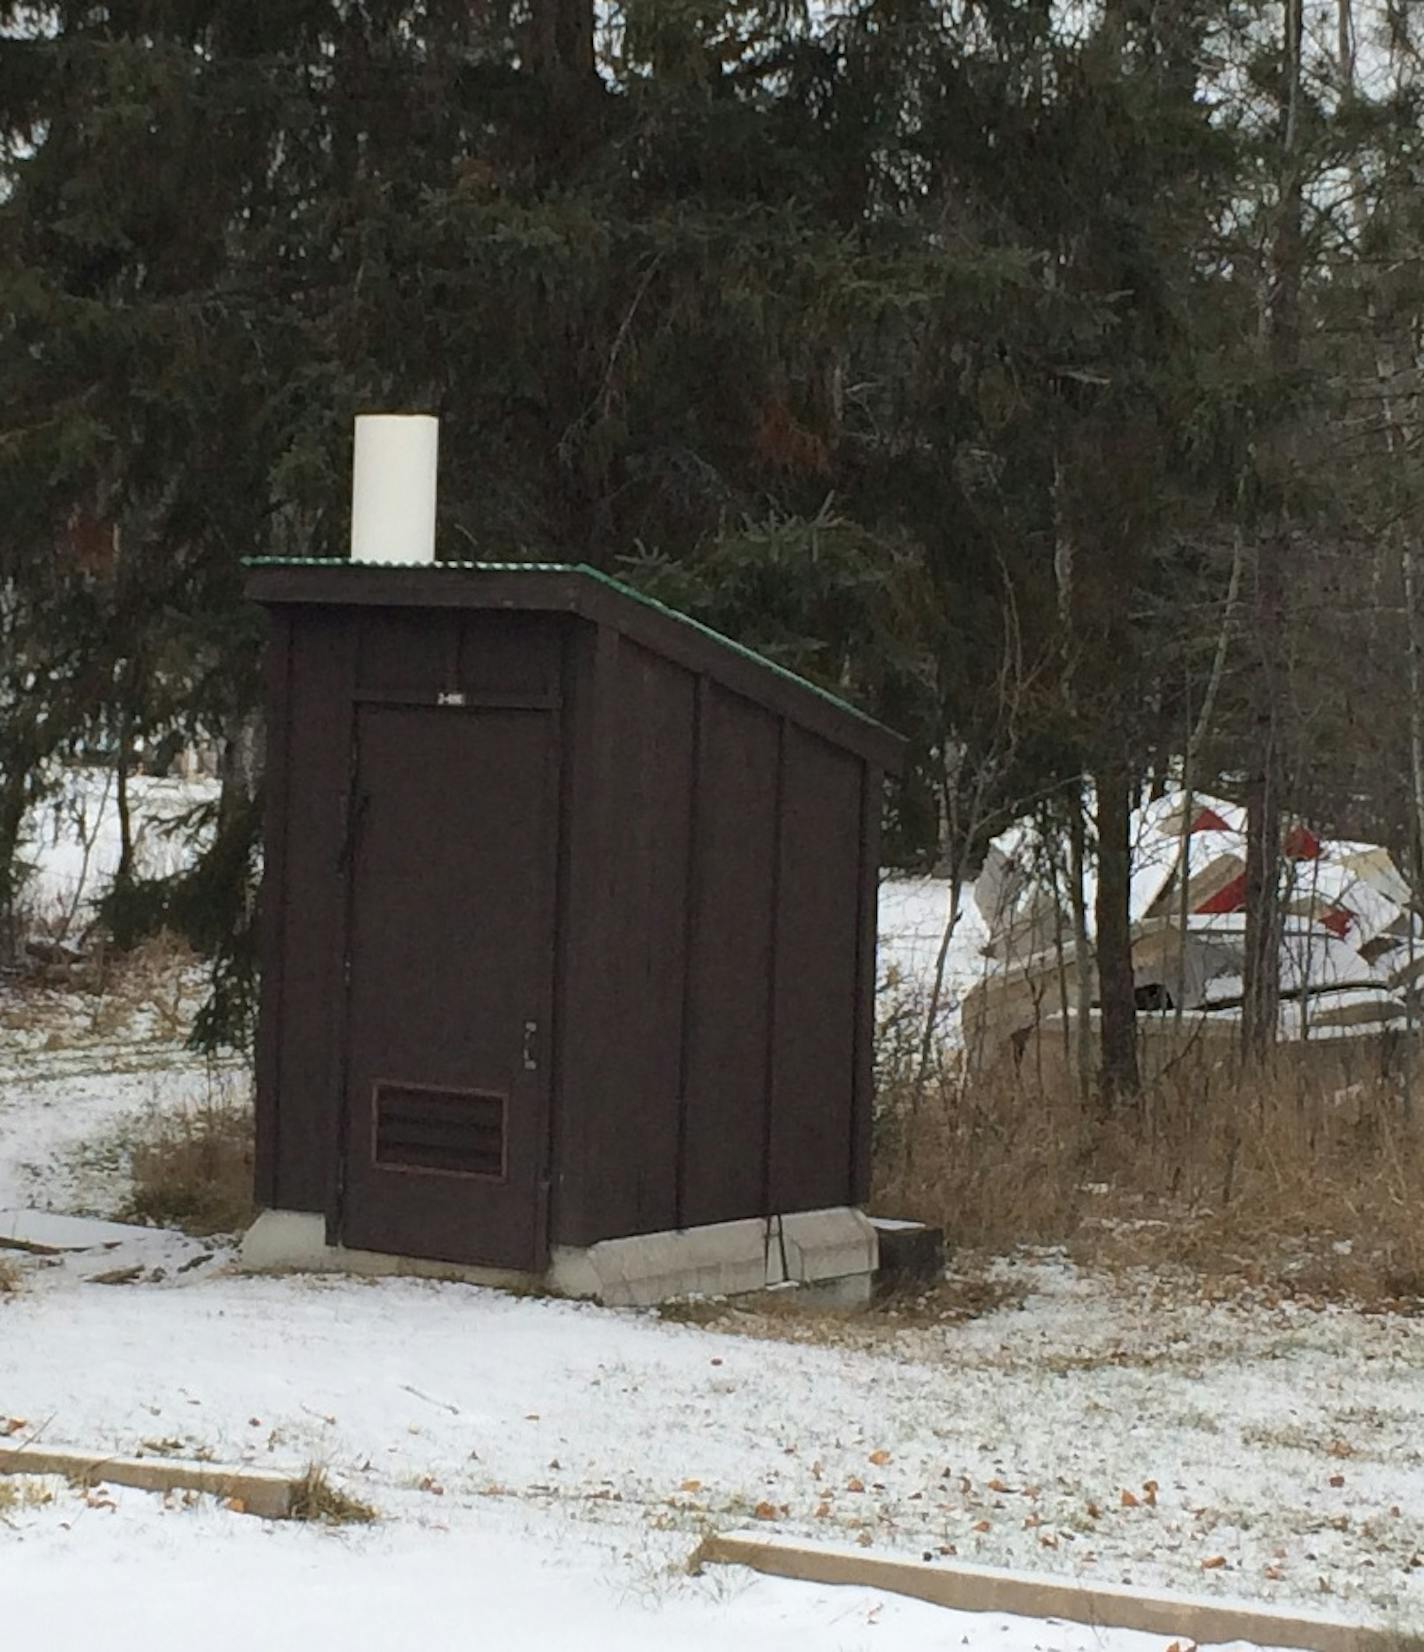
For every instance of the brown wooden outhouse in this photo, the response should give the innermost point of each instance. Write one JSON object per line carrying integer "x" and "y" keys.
{"x": 569, "y": 916}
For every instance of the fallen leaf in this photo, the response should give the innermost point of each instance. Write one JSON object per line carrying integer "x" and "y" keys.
{"x": 1048, "y": 1540}
{"x": 1094, "y": 1512}
{"x": 1149, "y": 1493}
{"x": 981, "y": 1526}
{"x": 765, "y": 1511}
{"x": 11, "y": 1425}
{"x": 823, "y": 1511}
{"x": 948, "y": 1548}
{"x": 998, "y": 1485}
{"x": 1213, "y": 1562}
{"x": 880, "y": 1458}
{"x": 236, "y": 1505}
{"x": 690, "y": 1485}
{"x": 864, "y": 1540}
{"x": 855, "y": 1485}
{"x": 1128, "y": 1500}
{"x": 1337, "y": 1480}
{"x": 1340, "y": 1448}
{"x": 1274, "y": 1573}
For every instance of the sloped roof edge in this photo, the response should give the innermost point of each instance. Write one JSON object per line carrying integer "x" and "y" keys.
{"x": 575, "y": 587}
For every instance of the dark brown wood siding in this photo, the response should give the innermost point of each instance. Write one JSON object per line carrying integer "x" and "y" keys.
{"x": 729, "y": 1002}
{"x": 711, "y": 946}
{"x": 311, "y": 907}
{"x": 862, "y": 1123}
{"x": 272, "y": 909}
{"x": 812, "y": 1083}
{"x": 582, "y": 980}
{"x": 634, "y": 1139}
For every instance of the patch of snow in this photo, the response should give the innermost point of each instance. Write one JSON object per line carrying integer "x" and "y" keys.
{"x": 72, "y": 839}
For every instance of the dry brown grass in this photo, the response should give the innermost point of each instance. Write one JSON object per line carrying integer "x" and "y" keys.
{"x": 192, "y": 1167}
{"x": 23, "y": 1491}
{"x": 1276, "y": 1180}
{"x": 315, "y": 1498}
{"x": 9, "y": 1276}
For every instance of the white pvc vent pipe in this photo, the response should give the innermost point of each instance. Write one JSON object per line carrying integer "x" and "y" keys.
{"x": 393, "y": 487}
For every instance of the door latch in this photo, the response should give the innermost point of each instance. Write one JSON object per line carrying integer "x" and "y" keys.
{"x": 531, "y": 1041}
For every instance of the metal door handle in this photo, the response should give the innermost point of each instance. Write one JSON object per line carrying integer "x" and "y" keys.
{"x": 531, "y": 1038}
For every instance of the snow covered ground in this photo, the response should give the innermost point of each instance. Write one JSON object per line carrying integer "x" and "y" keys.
{"x": 549, "y": 1466}
{"x": 543, "y": 1469}
{"x": 71, "y": 842}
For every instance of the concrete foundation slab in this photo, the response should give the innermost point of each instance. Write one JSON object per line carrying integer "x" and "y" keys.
{"x": 722, "y": 1259}
{"x": 828, "y": 1244}
{"x": 832, "y": 1250}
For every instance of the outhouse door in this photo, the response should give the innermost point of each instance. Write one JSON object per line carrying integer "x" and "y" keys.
{"x": 450, "y": 945}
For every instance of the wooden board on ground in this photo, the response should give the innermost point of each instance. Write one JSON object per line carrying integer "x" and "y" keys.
{"x": 248, "y": 1491}
{"x": 1184, "y": 1618}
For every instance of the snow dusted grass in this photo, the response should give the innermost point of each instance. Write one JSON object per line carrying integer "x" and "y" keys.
{"x": 1284, "y": 1182}
{"x": 191, "y": 1166}
{"x": 546, "y": 1468}
{"x": 315, "y": 1498}
{"x": 80, "y": 1072}
{"x": 1109, "y": 1426}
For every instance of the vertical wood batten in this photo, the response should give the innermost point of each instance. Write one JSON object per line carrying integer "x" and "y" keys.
{"x": 692, "y": 893}
{"x": 773, "y": 968}
{"x": 273, "y": 914}
{"x": 345, "y": 729}
{"x": 557, "y": 1126}
{"x": 862, "y": 1131}
{"x": 587, "y": 1004}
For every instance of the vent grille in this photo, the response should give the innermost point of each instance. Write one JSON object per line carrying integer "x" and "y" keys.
{"x": 458, "y": 1132}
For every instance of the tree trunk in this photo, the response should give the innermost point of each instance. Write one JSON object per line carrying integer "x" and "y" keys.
{"x": 562, "y": 39}
{"x": 1118, "y": 1078}
{"x": 240, "y": 771}
{"x": 1082, "y": 952}
{"x": 123, "y": 872}
{"x": 1266, "y": 776}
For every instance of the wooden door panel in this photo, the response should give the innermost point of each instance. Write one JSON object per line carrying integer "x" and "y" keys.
{"x": 450, "y": 964}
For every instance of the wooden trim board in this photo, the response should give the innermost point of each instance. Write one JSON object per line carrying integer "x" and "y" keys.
{"x": 259, "y": 1491}
{"x": 1104, "y": 1606}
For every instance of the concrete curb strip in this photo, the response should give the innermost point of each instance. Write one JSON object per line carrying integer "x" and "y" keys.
{"x": 975, "y": 1589}
{"x": 257, "y": 1491}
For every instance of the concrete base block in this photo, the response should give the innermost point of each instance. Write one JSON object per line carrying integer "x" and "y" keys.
{"x": 851, "y": 1290}
{"x": 722, "y": 1259}
{"x": 294, "y": 1241}
{"x": 833, "y": 1251}
{"x": 828, "y": 1244}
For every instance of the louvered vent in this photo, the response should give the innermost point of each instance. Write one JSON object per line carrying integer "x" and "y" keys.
{"x": 460, "y": 1132}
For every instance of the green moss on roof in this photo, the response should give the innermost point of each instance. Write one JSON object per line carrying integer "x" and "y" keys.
{"x": 585, "y": 571}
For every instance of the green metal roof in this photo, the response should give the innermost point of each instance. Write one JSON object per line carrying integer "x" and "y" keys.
{"x": 586, "y": 571}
